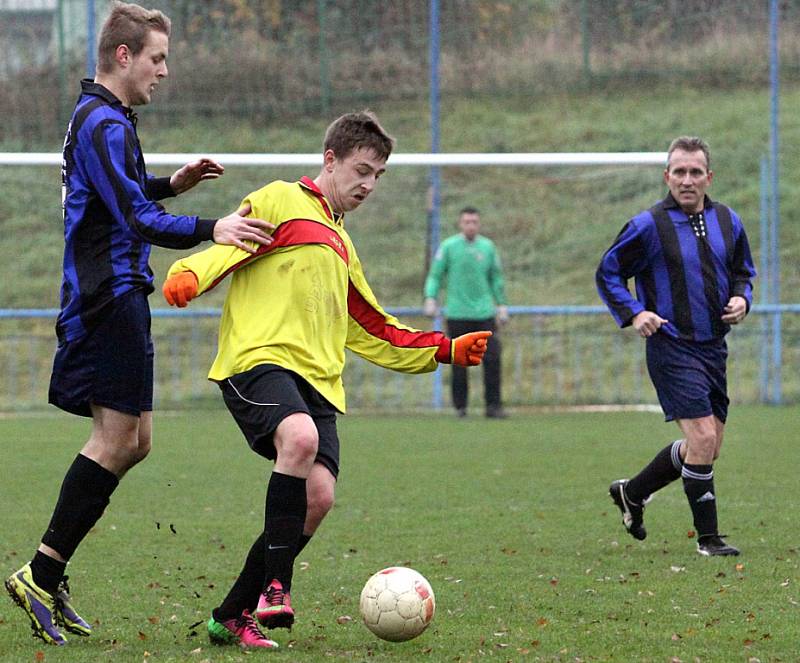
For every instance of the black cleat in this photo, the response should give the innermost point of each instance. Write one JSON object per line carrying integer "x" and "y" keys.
{"x": 713, "y": 545}
{"x": 632, "y": 514}
{"x": 496, "y": 413}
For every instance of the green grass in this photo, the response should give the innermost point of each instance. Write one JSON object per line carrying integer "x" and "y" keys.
{"x": 509, "y": 520}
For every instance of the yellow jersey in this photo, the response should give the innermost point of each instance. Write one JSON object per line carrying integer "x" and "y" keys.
{"x": 300, "y": 301}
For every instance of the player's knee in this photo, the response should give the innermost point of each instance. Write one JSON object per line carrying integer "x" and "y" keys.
{"x": 705, "y": 444}
{"x": 299, "y": 448}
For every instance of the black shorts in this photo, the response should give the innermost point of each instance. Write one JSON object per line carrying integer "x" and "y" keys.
{"x": 112, "y": 366}
{"x": 259, "y": 399}
{"x": 690, "y": 378}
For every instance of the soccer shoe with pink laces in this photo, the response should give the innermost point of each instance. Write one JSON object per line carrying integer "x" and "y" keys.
{"x": 243, "y": 631}
{"x": 274, "y": 608}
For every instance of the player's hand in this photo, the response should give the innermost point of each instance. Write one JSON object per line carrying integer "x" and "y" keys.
{"x": 735, "y": 310}
{"x": 429, "y": 307}
{"x": 501, "y": 315}
{"x": 236, "y": 230}
{"x": 179, "y": 289}
{"x": 468, "y": 349}
{"x": 647, "y": 323}
{"x": 189, "y": 175}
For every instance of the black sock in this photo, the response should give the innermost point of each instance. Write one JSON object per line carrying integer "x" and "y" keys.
{"x": 47, "y": 571}
{"x": 698, "y": 484}
{"x": 84, "y": 495}
{"x": 284, "y": 518}
{"x": 304, "y": 539}
{"x": 248, "y": 586}
{"x": 662, "y": 470}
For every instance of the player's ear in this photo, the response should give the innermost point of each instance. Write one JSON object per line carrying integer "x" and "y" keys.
{"x": 328, "y": 160}
{"x": 122, "y": 55}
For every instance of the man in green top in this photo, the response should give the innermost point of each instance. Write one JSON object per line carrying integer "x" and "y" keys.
{"x": 476, "y": 300}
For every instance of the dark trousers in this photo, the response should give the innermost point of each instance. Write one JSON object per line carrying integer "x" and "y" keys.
{"x": 491, "y": 365}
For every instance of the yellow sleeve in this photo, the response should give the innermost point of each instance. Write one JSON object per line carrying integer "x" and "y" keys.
{"x": 216, "y": 262}
{"x": 382, "y": 339}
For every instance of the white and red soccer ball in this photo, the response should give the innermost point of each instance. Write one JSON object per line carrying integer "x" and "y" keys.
{"x": 397, "y": 604}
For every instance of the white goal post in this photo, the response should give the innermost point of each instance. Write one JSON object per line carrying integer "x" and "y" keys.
{"x": 407, "y": 159}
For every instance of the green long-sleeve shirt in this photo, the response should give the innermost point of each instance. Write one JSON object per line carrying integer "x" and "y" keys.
{"x": 473, "y": 276}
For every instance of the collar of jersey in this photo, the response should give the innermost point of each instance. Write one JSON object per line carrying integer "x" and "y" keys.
{"x": 309, "y": 185}
{"x": 670, "y": 203}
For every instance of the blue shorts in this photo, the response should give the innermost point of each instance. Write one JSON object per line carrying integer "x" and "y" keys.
{"x": 112, "y": 366}
{"x": 690, "y": 378}
{"x": 259, "y": 399}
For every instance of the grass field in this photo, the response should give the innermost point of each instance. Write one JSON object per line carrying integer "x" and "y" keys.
{"x": 509, "y": 520}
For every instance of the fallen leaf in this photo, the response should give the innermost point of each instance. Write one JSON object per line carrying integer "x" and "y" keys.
{"x": 39, "y": 655}
{"x": 691, "y": 534}
{"x": 142, "y": 636}
{"x": 739, "y": 567}
{"x": 344, "y": 619}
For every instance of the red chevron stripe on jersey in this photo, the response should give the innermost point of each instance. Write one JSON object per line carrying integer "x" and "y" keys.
{"x": 375, "y": 324}
{"x": 294, "y": 233}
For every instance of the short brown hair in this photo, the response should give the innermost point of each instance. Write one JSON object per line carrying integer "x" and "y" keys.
{"x": 690, "y": 144}
{"x": 353, "y": 131}
{"x": 127, "y": 24}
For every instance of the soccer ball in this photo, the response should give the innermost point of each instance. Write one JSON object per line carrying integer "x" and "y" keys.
{"x": 397, "y": 604}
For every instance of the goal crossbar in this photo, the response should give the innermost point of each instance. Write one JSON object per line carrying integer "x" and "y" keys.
{"x": 407, "y": 159}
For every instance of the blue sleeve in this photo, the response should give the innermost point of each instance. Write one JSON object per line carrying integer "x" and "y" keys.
{"x": 743, "y": 270}
{"x": 111, "y": 162}
{"x": 626, "y": 258}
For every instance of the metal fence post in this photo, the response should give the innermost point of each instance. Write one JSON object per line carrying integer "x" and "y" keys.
{"x": 775, "y": 295}
{"x": 435, "y": 175}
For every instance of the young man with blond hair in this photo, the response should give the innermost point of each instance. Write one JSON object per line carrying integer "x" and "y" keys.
{"x": 103, "y": 366}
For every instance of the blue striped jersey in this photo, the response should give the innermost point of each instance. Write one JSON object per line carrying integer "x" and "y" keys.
{"x": 685, "y": 267}
{"x": 111, "y": 216}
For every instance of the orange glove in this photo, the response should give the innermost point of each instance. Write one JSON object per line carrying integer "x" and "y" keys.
{"x": 179, "y": 289}
{"x": 468, "y": 350}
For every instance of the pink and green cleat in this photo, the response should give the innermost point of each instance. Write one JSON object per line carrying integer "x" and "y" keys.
{"x": 39, "y": 605}
{"x": 243, "y": 631}
{"x": 274, "y": 608}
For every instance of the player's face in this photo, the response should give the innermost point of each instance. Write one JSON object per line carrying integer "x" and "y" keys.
{"x": 353, "y": 178}
{"x": 470, "y": 225}
{"x": 147, "y": 68}
{"x": 687, "y": 176}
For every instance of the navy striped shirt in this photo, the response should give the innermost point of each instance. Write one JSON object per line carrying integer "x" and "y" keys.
{"x": 686, "y": 269}
{"x": 110, "y": 214}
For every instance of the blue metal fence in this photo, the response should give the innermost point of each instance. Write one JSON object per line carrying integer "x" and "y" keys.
{"x": 552, "y": 356}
